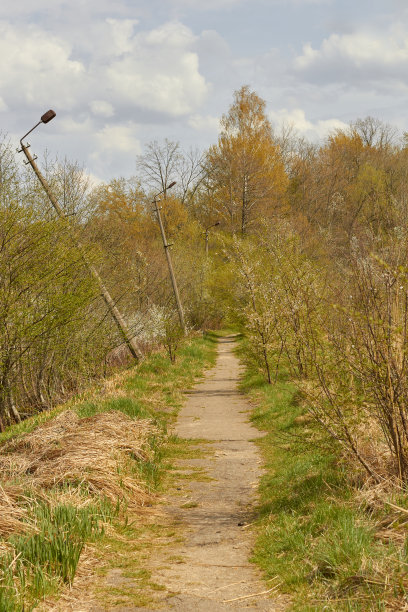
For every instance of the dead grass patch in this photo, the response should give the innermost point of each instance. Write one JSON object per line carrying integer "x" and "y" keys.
{"x": 68, "y": 455}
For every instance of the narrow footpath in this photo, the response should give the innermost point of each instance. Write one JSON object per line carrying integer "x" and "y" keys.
{"x": 212, "y": 570}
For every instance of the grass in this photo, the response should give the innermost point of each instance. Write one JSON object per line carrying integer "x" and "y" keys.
{"x": 313, "y": 531}
{"x": 143, "y": 380}
{"x": 33, "y": 566}
{"x": 38, "y": 563}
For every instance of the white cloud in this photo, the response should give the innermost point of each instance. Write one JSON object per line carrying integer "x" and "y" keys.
{"x": 38, "y": 68}
{"x": 210, "y": 5}
{"x": 114, "y": 147}
{"x": 122, "y": 33}
{"x": 156, "y": 70}
{"x": 70, "y": 125}
{"x": 159, "y": 71}
{"x": 123, "y": 73}
{"x": 297, "y": 118}
{"x": 359, "y": 57}
{"x": 105, "y": 80}
{"x": 28, "y": 8}
{"x": 305, "y": 2}
{"x": 204, "y": 123}
{"x": 94, "y": 181}
{"x": 101, "y": 108}
{"x": 119, "y": 138}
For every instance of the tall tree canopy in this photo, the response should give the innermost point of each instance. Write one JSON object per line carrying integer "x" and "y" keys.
{"x": 245, "y": 169}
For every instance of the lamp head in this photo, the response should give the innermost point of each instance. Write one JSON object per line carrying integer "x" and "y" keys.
{"x": 50, "y": 114}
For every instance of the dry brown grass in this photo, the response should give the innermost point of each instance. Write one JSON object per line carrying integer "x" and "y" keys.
{"x": 91, "y": 453}
{"x": 11, "y": 515}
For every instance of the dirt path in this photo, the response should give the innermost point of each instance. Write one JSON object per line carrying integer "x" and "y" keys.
{"x": 211, "y": 565}
{"x": 199, "y": 547}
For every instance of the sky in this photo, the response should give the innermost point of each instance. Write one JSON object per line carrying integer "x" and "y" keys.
{"x": 122, "y": 73}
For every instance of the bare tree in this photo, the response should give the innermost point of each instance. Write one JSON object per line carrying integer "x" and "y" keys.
{"x": 160, "y": 164}
{"x": 374, "y": 133}
{"x": 191, "y": 174}
{"x": 163, "y": 163}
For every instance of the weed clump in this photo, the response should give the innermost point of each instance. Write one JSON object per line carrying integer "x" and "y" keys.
{"x": 33, "y": 565}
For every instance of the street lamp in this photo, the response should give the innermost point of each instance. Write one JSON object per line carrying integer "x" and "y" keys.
{"x": 206, "y": 235}
{"x": 116, "y": 315}
{"x": 166, "y": 247}
{"x": 46, "y": 117}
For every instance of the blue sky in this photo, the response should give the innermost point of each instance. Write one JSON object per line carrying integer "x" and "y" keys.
{"x": 121, "y": 73}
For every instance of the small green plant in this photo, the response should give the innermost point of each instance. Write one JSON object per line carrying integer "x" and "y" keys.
{"x": 9, "y": 569}
{"x": 38, "y": 562}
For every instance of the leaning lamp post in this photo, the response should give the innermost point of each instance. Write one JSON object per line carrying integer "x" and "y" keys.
{"x": 114, "y": 311}
{"x": 166, "y": 247}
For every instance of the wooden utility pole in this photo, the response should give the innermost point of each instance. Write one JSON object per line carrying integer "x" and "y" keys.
{"x": 116, "y": 315}
{"x": 166, "y": 247}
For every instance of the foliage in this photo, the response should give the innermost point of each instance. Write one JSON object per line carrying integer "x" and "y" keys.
{"x": 245, "y": 171}
{"x": 342, "y": 337}
{"x": 280, "y": 296}
{"x": 50, "y": 327}
{"x": 360, "y": 387}
{"x": 315, "y": 532}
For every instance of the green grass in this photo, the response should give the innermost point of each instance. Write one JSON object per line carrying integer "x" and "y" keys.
{"x": 226, "y": 331}
{"x": 36, "y": 565}
{"x": 311, "y": 533}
